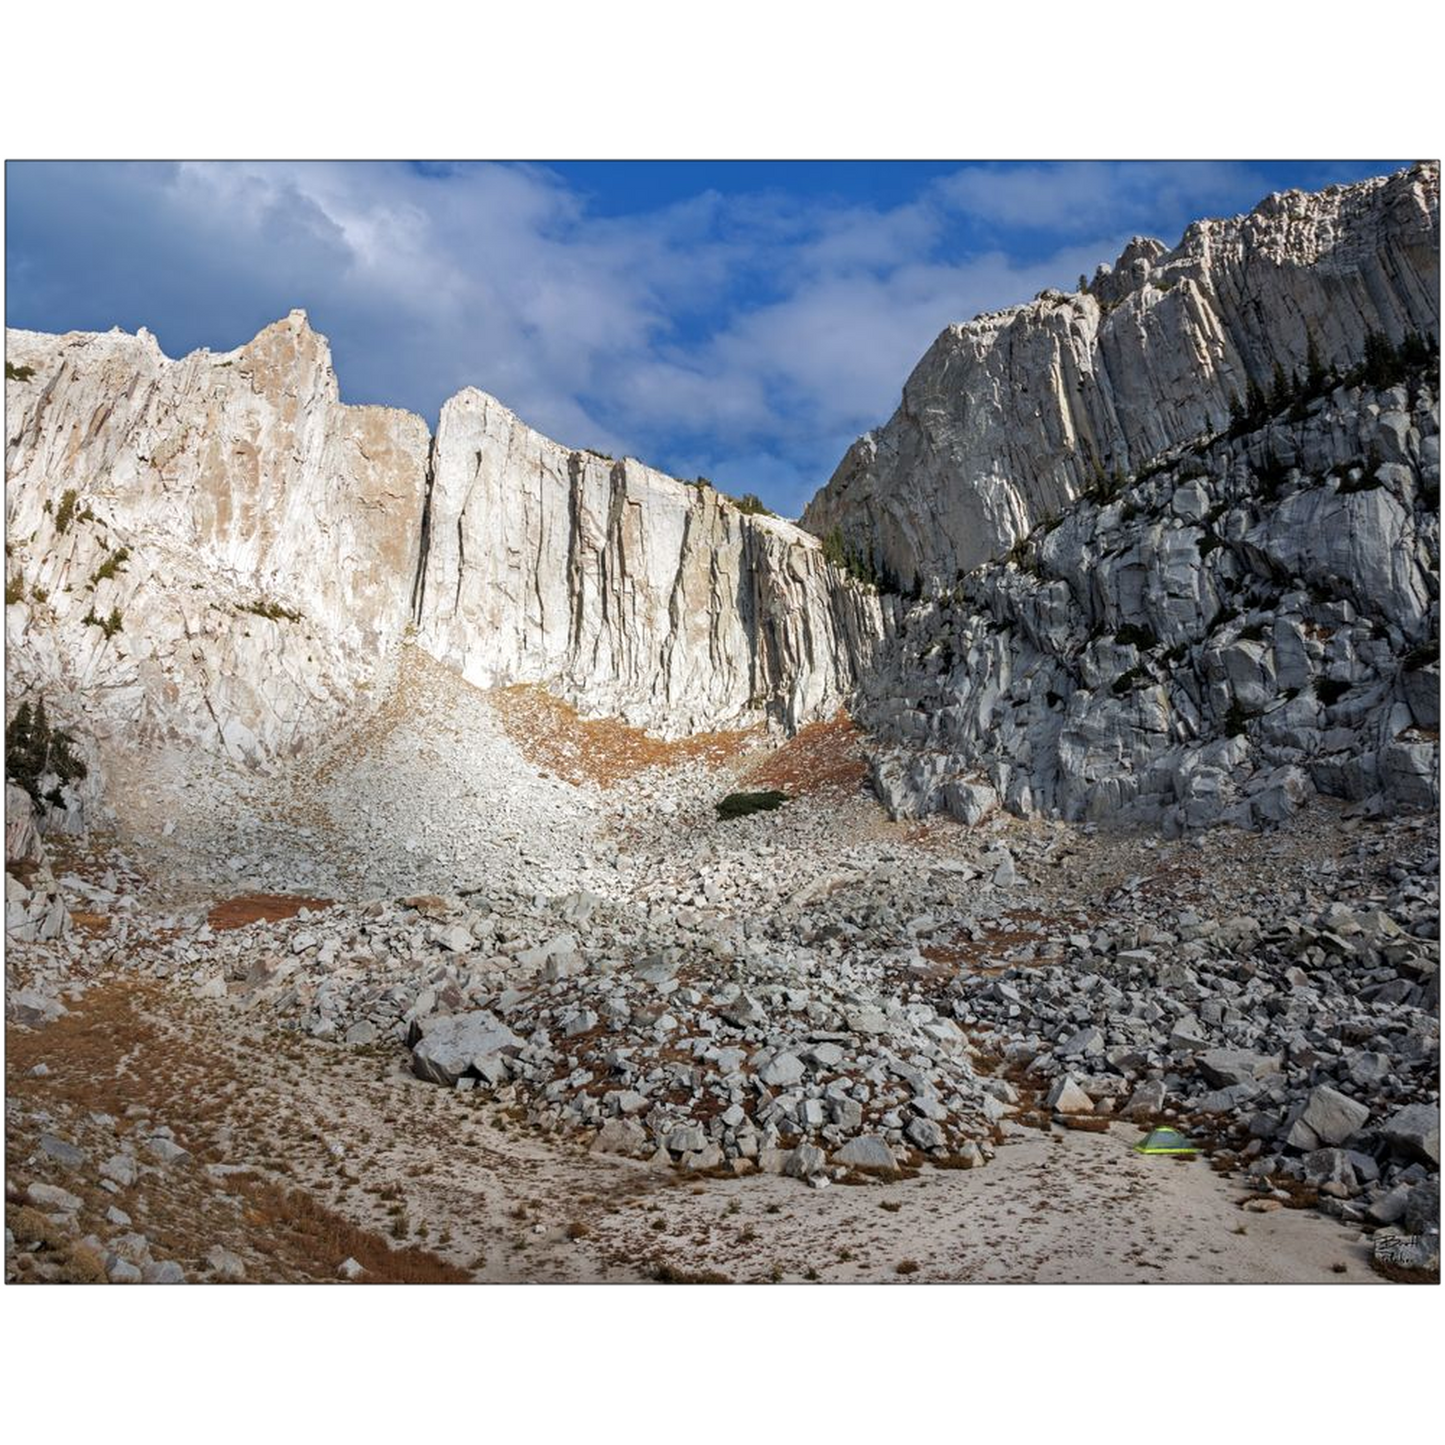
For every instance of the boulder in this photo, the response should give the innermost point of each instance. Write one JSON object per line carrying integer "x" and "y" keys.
{"x": 52, "y": 1197}
{"x": 868, "y": 1151}
{"x": 453, "y": 1044}
{"x": 805, "y": 1161}
{"x": 1415, "y": 1132}
{"x": 621, "y": 1136}
{"x": 1226, "y": 1067}
{"x": 1067, "y": 1097}
{"x": 1333, "y": 1117}
{"x": 781, "y": 1071}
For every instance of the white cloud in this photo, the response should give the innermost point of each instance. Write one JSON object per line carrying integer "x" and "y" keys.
{"x": 757, "y": 333}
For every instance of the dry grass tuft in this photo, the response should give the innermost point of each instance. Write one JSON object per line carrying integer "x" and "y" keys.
{"x": 669, "y": 1274}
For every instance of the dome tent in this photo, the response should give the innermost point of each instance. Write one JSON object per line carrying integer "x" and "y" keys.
{"x": 1164, "y": 1141}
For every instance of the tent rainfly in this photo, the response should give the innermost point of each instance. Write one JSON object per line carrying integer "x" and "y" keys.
{"x": 1164, "y": 1141}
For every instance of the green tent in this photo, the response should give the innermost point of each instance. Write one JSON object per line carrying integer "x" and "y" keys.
{"x": 1164, "y": 1141}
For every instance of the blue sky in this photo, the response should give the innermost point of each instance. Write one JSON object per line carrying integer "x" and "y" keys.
{"x": 740, "y": 320}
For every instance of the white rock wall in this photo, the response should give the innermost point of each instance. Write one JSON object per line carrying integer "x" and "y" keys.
{"x": 1005, "y": 419}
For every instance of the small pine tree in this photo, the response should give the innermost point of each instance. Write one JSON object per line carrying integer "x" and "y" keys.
{"x": 1281, "y": 390}
{"x": 1379, "y": 367}
{"x": 33, "y": 748}
{"x": 1256, "y": 409}
{"x": 1315, "y": 375}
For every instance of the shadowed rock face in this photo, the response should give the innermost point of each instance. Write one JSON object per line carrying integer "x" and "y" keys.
{"x": 1239, "y": 631}
{"x": 623, "y": 590}
{"x": 216, "y": 549}
{"x": 1009, "y": 418}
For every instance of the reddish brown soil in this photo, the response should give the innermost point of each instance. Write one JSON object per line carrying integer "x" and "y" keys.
{"x": 823, "y": 757}
{"x": 551, "y": 735}
{"x": 261, "y": 908}
{"x": 113, "y": 1052}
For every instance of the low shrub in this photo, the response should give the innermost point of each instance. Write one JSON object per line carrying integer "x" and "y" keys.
{"x": 65, "y": 512}
{"x": 272, "y": 611}
{"x": 111, "y": 566}
{"x": 739, "y": 805}
{"x": 108, "y": 625}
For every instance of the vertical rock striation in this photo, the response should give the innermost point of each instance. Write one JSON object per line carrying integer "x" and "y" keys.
{"x": 623, "y": 590}
{"x": 217, "y": 550}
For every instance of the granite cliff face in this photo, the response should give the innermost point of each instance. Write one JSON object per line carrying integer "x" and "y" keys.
{"x": 1218, "y": 643}
{"x": 1011, "y": 417}
{"x": 1206, "y": 613}
{"x": 212, "y": 549}
{"x": 623, "y": 590}
{"x": 1215, "y": 477}
{"x": 216, "y": 550}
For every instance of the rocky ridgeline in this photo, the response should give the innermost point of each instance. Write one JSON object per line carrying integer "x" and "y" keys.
{"x": 216, "y": 551}
{"x": 212, "y": 550}
{"x": 1010, "y": 417}
{"x": 1250, "y": 623}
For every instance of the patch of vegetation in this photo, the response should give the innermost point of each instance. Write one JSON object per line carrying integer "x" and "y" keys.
{"x": 14, "y": 589}
{"x": 1365, "y": 478}
{"x": 39, "y": 593}
{"x": 33, "y": 748}
{"x": 1133, "y": 635}
{"x": 1330, "y": 690}
{"x": 111, "y": 566}
{"x": 1422, "y": 656}
{"x": 1022, "y": 556}
{"x": 1104, "y": 485}
{"x": 272, "y": 611}
{"x": 65, "y": 512}
{"x": 1272, "y": 475}
{"x": 751, "y": 505}
{"x": 1128, "y": 681}
{"x": 108, "y": 625}
{"x": 1236, "y": 720}
{"x": 18, "y": 373}
{"x": 1385, "y": 363}
{"x": 740, "y": 805}
{"x": 670, "y": 1274}
{"x": 858, "y": 565}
